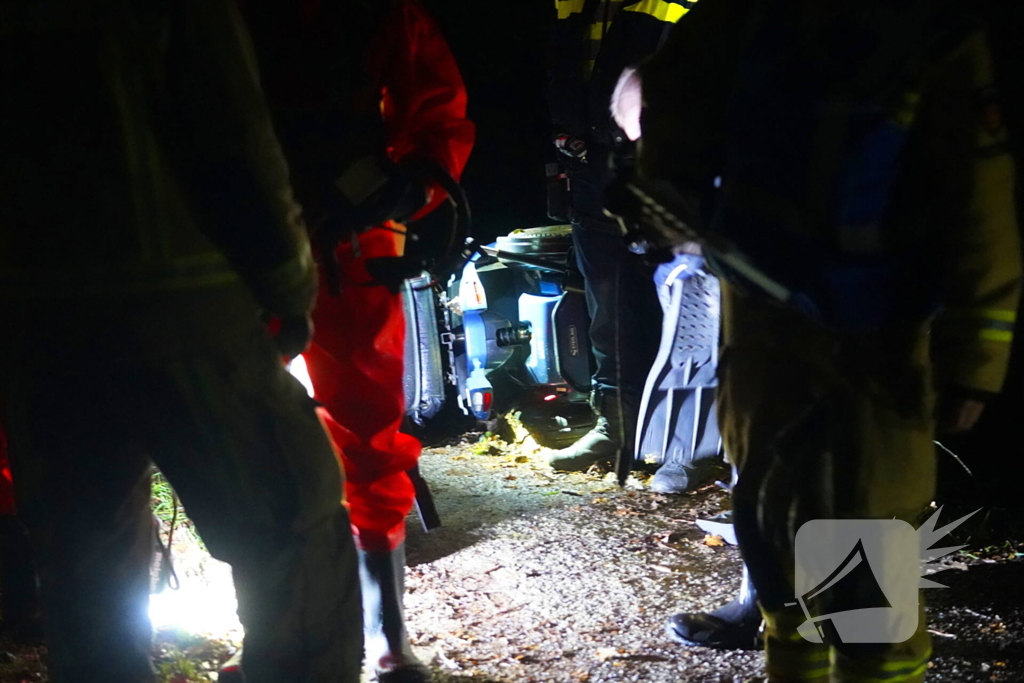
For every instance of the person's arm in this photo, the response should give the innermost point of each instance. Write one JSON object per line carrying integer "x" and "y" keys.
{"x": 225, "y": 145}
{"x": 971, "y": 339}
{"x": 686, "y": 84}
{"x": 424, "y": 97}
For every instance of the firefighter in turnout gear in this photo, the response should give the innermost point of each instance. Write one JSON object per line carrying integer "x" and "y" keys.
{"x": 147, "y": 232}
{"x": 591, "y": 43}
{"x": 362, "y": 94}
{"x": 829, "y": 406}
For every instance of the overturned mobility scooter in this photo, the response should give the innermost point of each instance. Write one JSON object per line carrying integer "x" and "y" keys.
{"x": 511, "y": 332}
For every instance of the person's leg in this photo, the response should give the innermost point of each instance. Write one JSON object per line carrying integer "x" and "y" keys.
{"x": 20, "y": 611}
{"x": 823, "y": 427}
{"x": 83, "y": 492}
{"x": 356, "y": 367}
{"x": 241, "y": 442}
{"x": 625, "y": 327}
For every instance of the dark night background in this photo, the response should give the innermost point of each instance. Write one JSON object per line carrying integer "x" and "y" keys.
{"x": 501, "y": 51}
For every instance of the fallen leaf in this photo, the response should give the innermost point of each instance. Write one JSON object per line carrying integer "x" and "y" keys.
{"x": 714, "y": 541}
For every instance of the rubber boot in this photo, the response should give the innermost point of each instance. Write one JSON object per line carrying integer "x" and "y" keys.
{"x": 388, "y": 652}
{"x": 735, "y": 626}
{"x": 231, "y": 670}
{"x": 601, "y": 444}
{"x": 20, "y": 610}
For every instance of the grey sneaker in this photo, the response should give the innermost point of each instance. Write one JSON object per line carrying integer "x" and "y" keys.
{"x": 594, "y": 446}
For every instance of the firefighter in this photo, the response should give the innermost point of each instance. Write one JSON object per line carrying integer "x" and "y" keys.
{"x": 591, "y": 43}
{"x": 824, "y": 420}
{"x": 148, "y": 231}
{"x": 364, "y": 94}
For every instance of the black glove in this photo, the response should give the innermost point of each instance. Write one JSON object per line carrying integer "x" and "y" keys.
{"x": 374, "y": 189}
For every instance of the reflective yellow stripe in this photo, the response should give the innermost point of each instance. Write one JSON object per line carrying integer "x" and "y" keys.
{"x": 1000, "y": 315}
{"x": 997, "y": 335}
{"x": 597, "y": 31}
{"x": 786, "y": 672}
{"x": 915, "y": 673}
{"x": 567, "y": 8}
{"x": 902, "y": 665}
{"x": 659, "y": 9}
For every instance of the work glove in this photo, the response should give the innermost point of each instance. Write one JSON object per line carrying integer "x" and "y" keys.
{"x": 371, "y": 190}
{"x": 570, "y": 146}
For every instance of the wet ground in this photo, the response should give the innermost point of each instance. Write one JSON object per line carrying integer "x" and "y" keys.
{"x": 543, "y": 577}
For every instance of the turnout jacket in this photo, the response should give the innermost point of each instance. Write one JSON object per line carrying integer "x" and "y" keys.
{"x": 137, "y": 158}
{"x": 960, "y": 172}
{"x": 591, "y": 43}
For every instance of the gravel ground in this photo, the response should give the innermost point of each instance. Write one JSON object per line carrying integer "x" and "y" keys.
{"x": 543, "y": 577}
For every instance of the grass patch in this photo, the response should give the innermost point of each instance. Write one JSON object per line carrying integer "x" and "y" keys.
{"x": 168, "y": 509}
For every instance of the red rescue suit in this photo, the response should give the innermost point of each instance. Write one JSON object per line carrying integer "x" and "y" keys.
{"x": 356, "y": 359}
{"x": 6, "y": 483}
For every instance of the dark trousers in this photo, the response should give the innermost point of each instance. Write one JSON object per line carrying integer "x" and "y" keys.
{"x": 239, "y": 440}
{"x": 625, "y": 314}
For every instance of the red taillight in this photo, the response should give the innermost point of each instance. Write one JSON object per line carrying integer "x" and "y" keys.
{"x": 482, "y": 401}
{"x": 551, "y": 397}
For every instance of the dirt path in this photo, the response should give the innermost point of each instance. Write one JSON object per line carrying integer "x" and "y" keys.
{"x": 538, "y": 577}
{"x": 545, "y": 578}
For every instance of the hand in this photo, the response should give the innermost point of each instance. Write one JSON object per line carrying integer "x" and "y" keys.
{"x": 627, "y": 102}
{"x": 293, "y": 335}
{"x": 958, "y": 414}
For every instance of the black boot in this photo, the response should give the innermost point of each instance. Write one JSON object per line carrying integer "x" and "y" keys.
{"x": 602, "y": 443}
{"x": 735, "y": 626}
{"x": 388, "y": 652}
{"x": 20, "y": 610}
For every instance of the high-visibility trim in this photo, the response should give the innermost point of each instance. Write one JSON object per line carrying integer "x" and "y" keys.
{"x": 597, "y": 30}
{"x": 785, "y": 672}
{"x": 904, "y": 676}
{"x": 1000, "y": 315}
{"x": 997, "y": 335}
{"x": 902, "y": 665}
{"x": 900, "y": 671}
{"x": 567, "y": 8}
{"x": 661, "y": 10}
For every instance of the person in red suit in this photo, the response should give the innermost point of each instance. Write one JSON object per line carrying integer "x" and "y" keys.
{"x": 363, "y": 95}
{"x": 20, "y": 612}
